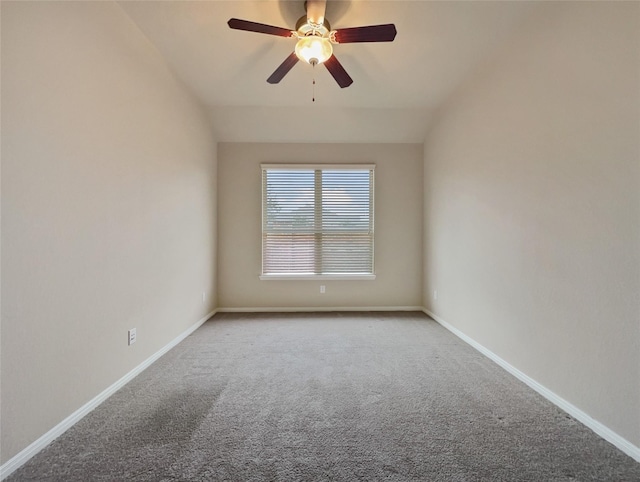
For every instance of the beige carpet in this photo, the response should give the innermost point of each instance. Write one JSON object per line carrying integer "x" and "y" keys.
{"x": 339, "y": 396}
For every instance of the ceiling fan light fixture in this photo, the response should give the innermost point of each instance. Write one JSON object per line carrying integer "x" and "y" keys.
{"x": 314, "y": 49}
{"x": 314, "y": 39}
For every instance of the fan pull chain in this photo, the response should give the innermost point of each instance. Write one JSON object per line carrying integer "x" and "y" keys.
{"x": 313, "y": 88}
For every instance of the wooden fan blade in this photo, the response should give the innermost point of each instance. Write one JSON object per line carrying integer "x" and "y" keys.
{"x": 315, "y": 11}
{"x": 336, "y": 69}
{"x": 238, "y": 24}
{"x": 283, "y": 69}
{"x": 371, "y": 33}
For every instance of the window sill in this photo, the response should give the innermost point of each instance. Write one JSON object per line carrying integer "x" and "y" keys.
{"x": 318, "y": 277}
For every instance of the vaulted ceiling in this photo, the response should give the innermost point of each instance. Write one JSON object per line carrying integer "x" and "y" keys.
{"x": 397, "y": 85}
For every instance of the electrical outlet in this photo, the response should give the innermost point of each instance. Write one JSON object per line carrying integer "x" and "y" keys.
{"x": 435, "y": 294}
{"x": 322, "y": 288}
{"x": 132, "y": 336}
{"x": 203, "y": 297}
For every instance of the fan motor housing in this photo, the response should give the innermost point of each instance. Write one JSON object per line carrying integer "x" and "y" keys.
{"x": 304, "y": 28}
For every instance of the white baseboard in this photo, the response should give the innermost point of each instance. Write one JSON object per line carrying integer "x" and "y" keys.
{"x": 603, "y": 431}
{"x": 308, "y": 309}
{"x": 23, "y": 456}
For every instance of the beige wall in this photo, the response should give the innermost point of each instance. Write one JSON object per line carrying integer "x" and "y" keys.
{"x": 108, "y": 209}
{"x": 531, "y": 211}
{"x": 532, "y": 207}
{"x": 398, "y": 228}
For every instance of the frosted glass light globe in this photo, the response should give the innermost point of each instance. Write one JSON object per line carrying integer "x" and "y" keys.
{"x": 314, "y": 49}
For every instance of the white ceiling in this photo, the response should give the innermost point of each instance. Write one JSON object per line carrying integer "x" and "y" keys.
{"x": 397, "y": 85}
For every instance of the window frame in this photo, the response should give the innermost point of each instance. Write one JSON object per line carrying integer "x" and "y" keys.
{"x": 319, "y": 276}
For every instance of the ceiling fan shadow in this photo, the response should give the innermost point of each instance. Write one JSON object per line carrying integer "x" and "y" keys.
{"x": 337, "y": 10}
{"x": 292, "y": 10}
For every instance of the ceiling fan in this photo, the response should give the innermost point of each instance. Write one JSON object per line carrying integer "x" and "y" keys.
{"x": 316, "y": 39}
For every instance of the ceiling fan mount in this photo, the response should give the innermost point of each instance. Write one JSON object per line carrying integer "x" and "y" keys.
{"x": 315, "y": 40}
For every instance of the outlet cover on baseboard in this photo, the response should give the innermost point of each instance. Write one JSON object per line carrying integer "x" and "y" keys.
{"x": 132, "y": 336}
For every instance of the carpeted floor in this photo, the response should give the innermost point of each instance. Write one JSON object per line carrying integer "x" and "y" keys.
{"x": 344, "y": 397}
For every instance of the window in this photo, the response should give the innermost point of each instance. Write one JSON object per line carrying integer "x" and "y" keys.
{"x": 317, "y": 221}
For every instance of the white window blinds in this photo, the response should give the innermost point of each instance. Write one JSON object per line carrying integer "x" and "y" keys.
{"x": 317, "y": 220}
